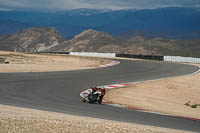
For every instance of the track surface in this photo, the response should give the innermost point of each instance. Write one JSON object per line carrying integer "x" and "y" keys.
{"x": 59, "y": 91}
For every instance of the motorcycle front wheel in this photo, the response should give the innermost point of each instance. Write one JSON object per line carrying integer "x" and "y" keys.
{"x": 92, "y": 98}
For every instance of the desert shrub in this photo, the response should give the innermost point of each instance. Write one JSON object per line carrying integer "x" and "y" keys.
{"x": 187, "y": 104}
{"x": 194, "y": 106}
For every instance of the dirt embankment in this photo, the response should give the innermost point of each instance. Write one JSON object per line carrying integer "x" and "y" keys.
{"x": 21, "y": 62}
{"x": 165, "y": 96}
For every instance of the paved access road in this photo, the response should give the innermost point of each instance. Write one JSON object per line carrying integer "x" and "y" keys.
{"x": 59, "y": 91}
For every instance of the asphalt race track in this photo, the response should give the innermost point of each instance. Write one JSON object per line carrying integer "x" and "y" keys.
{"x": 59, "y": 91}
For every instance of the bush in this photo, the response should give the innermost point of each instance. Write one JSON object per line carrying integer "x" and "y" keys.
{"x": 194, "y": 106}
{"x": 187, "y": 104}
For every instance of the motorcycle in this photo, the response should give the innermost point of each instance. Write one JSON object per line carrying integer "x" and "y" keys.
{"x": 93, "y": 97}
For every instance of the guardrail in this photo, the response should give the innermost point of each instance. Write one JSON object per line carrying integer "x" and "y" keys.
{"x": 53, "y": 52}
{"x": 93, "y": 54}
{"x": 182, "y": 59}
{"x": 149, "y": 57}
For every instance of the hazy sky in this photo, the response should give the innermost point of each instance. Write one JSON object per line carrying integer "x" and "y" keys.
{"x": 94, "y": 4}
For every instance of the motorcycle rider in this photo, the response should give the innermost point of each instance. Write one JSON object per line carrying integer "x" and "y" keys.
{"x": 101, "y": 89}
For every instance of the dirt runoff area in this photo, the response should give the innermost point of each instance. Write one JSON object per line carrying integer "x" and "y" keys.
{"x": 21, "y": 120}
{"x": 21, "y": 62}
{"x": 176, "y": 96}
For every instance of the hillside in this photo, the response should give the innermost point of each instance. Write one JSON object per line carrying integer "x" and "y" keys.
{"x": 31, "y": 40}
{"x": 161, "y": 46}
{"x": 88, "y": 41}
{"x": 48, "y": 39}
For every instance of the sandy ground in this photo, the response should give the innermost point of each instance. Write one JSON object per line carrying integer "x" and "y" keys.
{"x": 165, "y": 96}
{"x": 21, "y": 120}
{"x": 21, "y": 62}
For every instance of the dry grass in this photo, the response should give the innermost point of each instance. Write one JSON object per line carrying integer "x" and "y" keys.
{"x": 21, "y": 62}
{"x": 165, "y": 96}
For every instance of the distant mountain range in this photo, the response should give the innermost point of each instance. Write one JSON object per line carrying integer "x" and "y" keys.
{"x": 48, "y": 39}
{"x": 171, "y": 23}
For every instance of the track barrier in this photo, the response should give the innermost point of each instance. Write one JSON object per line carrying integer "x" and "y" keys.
{"x": 93, "y": 54}
{"x": 53, "y": 52}
{"x": 182, "y": 59}
{"x": 148, "y": 57}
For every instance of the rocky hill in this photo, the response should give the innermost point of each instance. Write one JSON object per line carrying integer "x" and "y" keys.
{"x": 89, "y": 41}
{"x": 161, "y": 46}
{"x": 48, "y": 39}
{"x": 31, "y": 40}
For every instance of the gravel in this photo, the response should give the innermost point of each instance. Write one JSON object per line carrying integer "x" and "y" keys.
{"x": 21, "y": 120}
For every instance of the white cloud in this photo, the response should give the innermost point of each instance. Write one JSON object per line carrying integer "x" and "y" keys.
{"x": 96, "y": 4}
{"x": 14, "y": 3}
{"x": 142, "y": 4}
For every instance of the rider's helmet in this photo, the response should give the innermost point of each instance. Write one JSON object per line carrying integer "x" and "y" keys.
{"x": 101, "y": 87}
{"x": 93, "y": 88}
